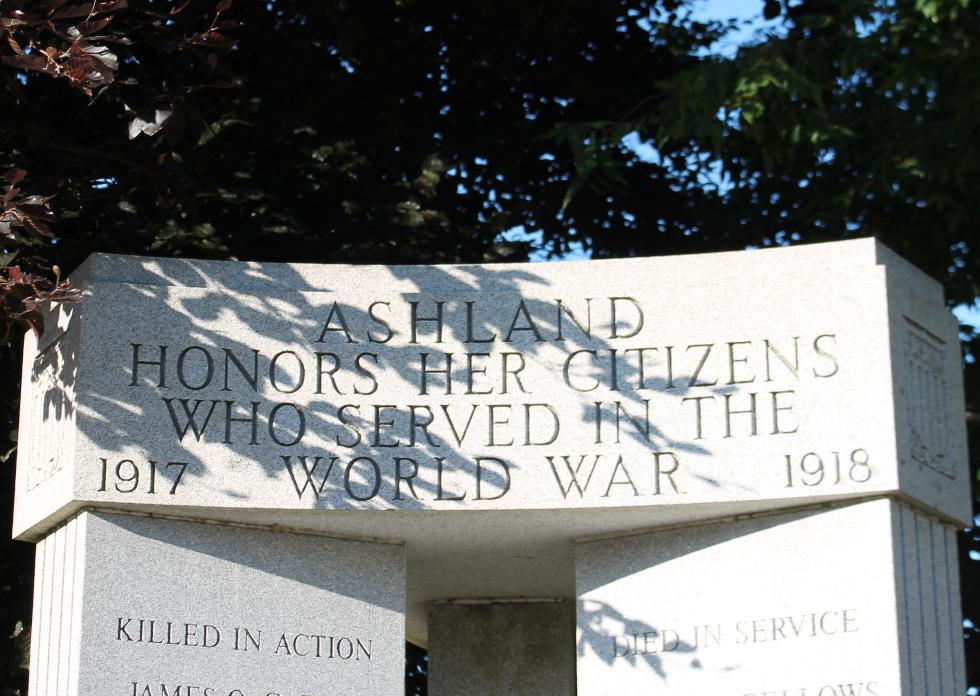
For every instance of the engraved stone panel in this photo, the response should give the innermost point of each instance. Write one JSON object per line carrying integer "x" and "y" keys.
{"x": 136, "y": 606}
{"x": 646, "y": 384}
{"x": 488, "y": 416}
{"x": 53, "y": 399}
{"x": 849, "y": 600}
{"x": 47, "y": 431}
{"x": 927, "y": 399}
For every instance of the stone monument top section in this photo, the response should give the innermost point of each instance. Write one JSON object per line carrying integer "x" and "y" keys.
{"x": 650, "y": 391}
{"x": 487, "y": 417}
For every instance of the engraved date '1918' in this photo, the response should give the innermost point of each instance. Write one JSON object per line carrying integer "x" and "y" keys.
{"x": 812, "y": 469}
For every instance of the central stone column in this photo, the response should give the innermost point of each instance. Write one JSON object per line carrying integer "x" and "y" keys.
{"x": 491, "y": 647}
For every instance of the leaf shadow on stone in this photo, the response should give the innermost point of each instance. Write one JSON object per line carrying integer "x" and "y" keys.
{"x": 614, "y": 636}
{"x": 284, "y": 306}
{"x": 285, "y": 556}
{"x": 53, "y": 373}
{"x": 634, "y": 641}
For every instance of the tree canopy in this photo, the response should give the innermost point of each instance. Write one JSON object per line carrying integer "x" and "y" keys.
{"x": 439, "y": 132}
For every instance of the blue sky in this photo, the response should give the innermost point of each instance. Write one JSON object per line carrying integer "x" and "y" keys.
{"x": 749, "y": 15}
{"x": 748, "y": 12}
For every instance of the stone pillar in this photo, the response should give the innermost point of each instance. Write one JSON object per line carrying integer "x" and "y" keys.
{"x": 140, "y": 606}
{"x": 493, "y": 647}
{"x": 857, "y": 600}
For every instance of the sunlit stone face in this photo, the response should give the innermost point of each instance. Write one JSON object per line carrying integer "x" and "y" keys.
{"x": 491, "y": 418}
{"x": 641, "y": 383}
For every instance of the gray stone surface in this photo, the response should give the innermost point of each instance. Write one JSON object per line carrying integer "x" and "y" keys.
{"x": 849, "y": 600}
{"x": 56, "y": 626}
{"x": 772, "y": 379}
{"x": 139, "y": 606}
{"x": 930, "y": 615}
{"x": 637, "y": 383}
{"x": 488, "y": 648}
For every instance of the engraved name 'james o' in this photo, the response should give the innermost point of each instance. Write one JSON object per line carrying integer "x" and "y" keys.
{"x": 183, "y": 688}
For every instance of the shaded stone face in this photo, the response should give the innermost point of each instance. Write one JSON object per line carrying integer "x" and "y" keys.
{"x": 484, "y": 648}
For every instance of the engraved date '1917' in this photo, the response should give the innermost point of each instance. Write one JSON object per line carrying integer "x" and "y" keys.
{"x": 126, "y": 476}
